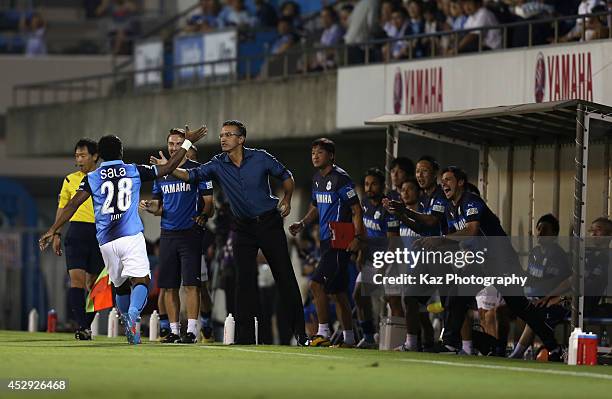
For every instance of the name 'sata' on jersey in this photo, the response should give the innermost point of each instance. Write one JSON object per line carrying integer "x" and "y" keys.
{"x": 115, "y": 189}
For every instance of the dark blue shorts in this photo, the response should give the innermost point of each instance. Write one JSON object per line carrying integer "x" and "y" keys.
{"x": 180, "y": 258}
{"x": 332, "y": 271}
{"x": 82, "y": 249}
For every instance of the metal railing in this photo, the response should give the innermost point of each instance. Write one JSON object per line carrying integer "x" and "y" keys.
{"x": 298, "y": 61}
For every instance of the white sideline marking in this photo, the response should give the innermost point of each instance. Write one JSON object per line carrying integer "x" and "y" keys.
{"x": 435, "y": 362}
{"x": 511, "y": 368}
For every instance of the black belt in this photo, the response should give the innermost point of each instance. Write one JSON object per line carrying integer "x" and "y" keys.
{"x": 259, "y": 218}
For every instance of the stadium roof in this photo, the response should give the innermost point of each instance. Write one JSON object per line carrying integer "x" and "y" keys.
{"x": 543, "y": 123}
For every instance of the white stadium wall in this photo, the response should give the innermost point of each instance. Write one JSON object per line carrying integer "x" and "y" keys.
{"x": 542, "y": 74}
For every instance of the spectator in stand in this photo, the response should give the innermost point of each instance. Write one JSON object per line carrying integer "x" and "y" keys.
{"x": 528, "y": 9}
{"x": 479, "y": 16}
{"x": 207, "y": 20}
{"x": 236, "y": 14}
{"x": 432, "y": 25}
{"x": 596, "y": 26}
{"x": 291, "y": 10}
{"x": 585, "y": 7}
{"x": 386, "y": 11}
{"x": 398, "y": 49}
{"x": 417, "y": 27}
{"x": 456, "y": 18}
{"x": 266, "y": 14}
{"x": 345, "y": 14}
{"x": 362, "y": 22}
{"x": 331, "y": 36}
{"x": 123, "y": 23}
{"x": 34, "y": 31}
{"x": 287, "y": 37}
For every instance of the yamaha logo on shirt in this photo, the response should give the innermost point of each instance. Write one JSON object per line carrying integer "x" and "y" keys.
{"x": 328, "y": 187}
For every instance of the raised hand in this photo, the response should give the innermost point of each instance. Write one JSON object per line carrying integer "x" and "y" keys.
{"x": 195, "y": 135}
{"x": 158, "y": 161}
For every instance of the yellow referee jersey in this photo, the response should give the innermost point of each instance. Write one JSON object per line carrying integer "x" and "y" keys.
{"x": 85, "y": 213}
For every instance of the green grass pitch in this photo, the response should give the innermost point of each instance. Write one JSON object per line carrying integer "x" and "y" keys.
{"x": 109, "y": 368}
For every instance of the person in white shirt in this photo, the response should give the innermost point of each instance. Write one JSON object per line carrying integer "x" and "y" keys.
{"x": 479, "y": 16}
{"x": 585, "y": 7}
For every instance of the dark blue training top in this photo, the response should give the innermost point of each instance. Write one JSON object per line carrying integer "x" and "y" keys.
{"x": 115, "y": 190}
{"x": 333, "y": 195}
{"x": 180, "y": 199}
{"x": 473, "y": 208}
{"x": 377, "y": 220}
{"x": 434, "y": 204}
{"x": 247, "y": 187}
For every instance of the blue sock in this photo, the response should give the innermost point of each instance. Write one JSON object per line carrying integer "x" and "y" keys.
{"x": 138, "y": 300}
{"x": 164, "y": 322}
{"x": 205, "y": 319}
{"x": 123, "y": 303}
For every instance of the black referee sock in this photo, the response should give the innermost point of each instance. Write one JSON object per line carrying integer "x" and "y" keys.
{"x": 76, "y": 299}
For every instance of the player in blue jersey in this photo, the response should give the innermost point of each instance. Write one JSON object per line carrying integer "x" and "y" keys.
{"x": 180, "y": 205}
{"x": 333, "y": 200}
{"x": 115, "y": 189}
{"x": 401, "y": 168}
{"x": 469, "y": 216}
{"x": 379, "y": 225}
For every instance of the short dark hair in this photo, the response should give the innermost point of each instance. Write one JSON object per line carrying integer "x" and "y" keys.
{"x": 400, "y": 10}
{"x": 377, "y": 173}
{"x": 471, "y": 188}
{"x": 428, "y": 158}
{"x": 605, "y": 221}
{"x": 348, "y": 7}
{"x": 235, "y": 122}
{"x": 458, "y": 173}
{"x": 92, "y": 146}
{"x": 176, "y": 131}
{"x": 110, "y": 148}
{"x": 332, "y": 12}
{"x": 552, "y": 220}
{"x": 404, "y": 164}
{"x": 412, "y": 180}
{"x": 326, "y": 144}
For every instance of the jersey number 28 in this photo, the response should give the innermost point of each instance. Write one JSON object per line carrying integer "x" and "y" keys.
{"x": 124, "y": 195}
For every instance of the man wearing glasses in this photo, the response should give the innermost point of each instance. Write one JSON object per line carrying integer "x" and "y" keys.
{"x": 243, "y": 174}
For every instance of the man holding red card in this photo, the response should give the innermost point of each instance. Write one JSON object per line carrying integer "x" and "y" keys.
{"x": 335, "y": 204}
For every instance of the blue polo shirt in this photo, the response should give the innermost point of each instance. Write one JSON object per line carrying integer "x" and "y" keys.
{"x": 247, "y": 187}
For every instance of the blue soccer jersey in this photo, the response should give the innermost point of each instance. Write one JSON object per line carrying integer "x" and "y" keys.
{"x": 333, "y": 195}
{"x": 115, "y": 189}
{"x": 434, "y": 204}
{"x": 181, "y": 200}
{"x": 377, "y": 220}
{"x": 407, "y": 231}
{"x": 473, "y": 208}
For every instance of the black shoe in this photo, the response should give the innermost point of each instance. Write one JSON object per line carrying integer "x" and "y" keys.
{"x": 83, "y": 334}
{"x": 302, "y": 339}
{"x": 171, "y": 339}
{"x": 207, "y": 335}
{"x": 559, "y": 354}
{"x": 189, "y": 338}
{"x": 163, "y": 333}
{"x": 447, "y": 349}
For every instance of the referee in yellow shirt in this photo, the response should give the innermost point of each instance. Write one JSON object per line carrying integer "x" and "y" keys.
{"x": 83, "y": 258}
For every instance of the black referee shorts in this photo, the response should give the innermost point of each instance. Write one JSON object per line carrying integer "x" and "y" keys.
{"x": 180, "y": 258}
{"x": 82, "y": 249}
{"x": 332, "y": 271}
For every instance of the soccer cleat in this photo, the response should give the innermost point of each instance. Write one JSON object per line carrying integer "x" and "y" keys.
{"x": 447, "y": 349}
{"x": 559, "y": 354}
{"x": 134, "y": 330}
{"x": 403, "y": 348}
{"x": 319, "y": 340}
{"x": 364, "y": 344}
{"x": 163, "y": 333}
{"x": 344, "y": 345}
{"x": 171, "y": 339}
{"x": 301, "y": 339}
{"x": 206, "y": 335}
{"x": 126, "y": 326}
{"x": 82, "y": 334}
{"x": 189, "y": 338}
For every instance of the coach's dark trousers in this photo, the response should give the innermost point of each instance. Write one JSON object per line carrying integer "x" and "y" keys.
{"x": 266, "y": 233}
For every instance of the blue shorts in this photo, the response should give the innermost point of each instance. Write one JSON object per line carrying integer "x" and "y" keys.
{"x": 332, "y": 271}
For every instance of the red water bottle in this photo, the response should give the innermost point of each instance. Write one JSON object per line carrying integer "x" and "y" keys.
{"x": 51, "y": 321}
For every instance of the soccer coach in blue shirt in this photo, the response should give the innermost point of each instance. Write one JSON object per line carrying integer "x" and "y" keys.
{"x": 243, "y": 174}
